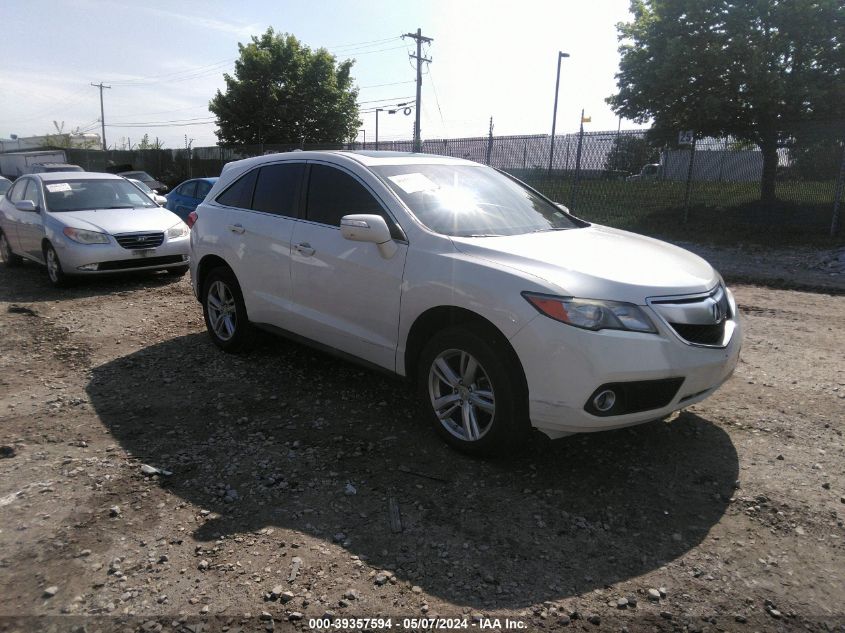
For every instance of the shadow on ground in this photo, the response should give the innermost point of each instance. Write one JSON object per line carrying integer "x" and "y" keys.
{"x": 288, "y": 428}
{"x": 31, "y": 285}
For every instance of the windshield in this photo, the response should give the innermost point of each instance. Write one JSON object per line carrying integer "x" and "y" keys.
{"x": 55, "y": 168}
{"x": 141, "y": 186}
{"x": 4, "y": 186}
{"x": 78, "y": 195}
{"x": 139, "y": 175}
{"x": 472, "y": 201}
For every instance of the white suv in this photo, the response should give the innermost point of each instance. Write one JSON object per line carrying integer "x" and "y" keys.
{"x": 507, "y": 311}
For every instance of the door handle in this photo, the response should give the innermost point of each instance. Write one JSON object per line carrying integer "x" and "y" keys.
{"x": 304, "y": 248}
{"x": 237, "y": 228}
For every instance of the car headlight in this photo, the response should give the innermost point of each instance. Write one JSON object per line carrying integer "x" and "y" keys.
{"x": 85, "y": 237}
{"x": 177, "y": 231}
{"x": 592, "y": 314}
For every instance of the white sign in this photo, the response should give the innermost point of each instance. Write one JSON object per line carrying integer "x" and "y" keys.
{"x": 686, "y": 137}
{"x": 58, "y": 187}
{"x": 414, "y": 182}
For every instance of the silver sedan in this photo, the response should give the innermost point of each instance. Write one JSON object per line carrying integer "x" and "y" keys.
{"x": 83, "y": 223}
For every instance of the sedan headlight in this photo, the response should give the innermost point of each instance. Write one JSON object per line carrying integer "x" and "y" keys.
{"x": 592, "y": 314}
{"x": 177, "y": 231}
{"x": 85, "y": 237}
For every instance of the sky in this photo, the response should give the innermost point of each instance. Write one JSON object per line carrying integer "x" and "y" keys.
{"x": 165, "y": 60}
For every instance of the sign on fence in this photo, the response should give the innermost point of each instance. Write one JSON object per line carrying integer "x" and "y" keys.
{"x": 686, "y": 137}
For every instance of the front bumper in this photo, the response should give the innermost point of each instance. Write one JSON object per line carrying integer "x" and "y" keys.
{"x": 99, "y": 259}
{"x": 565, "y": 365}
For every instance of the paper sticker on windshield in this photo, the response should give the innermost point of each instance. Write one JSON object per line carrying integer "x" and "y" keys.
{"x": 412, "y": 183}
{"x": 58, "y": 187}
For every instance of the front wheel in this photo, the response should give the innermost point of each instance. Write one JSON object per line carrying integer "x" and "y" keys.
{"x": 474, "y": 392}
{"x": 225, "y": 311}
{"x": 54, "y": 267}
{"x": 9, "y": 258}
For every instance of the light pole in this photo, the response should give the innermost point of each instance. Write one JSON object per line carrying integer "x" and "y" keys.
{"x": 560, "y": 56}
{"x": 377, "y": 111}
{"x": 364, "y": 146}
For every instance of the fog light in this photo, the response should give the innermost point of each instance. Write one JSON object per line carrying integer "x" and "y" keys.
{"x": 89, "y": 267}
{"x": 604, "y": 400}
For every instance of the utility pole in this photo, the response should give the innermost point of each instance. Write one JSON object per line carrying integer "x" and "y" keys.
{"x": 560, "y": 56}
{"x": 490, "y": 142}
{"x": 419, "y": 38}
{"x": 102, "y": 116}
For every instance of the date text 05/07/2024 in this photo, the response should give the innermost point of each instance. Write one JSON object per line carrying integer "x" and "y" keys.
{"x": 415, "y": 624}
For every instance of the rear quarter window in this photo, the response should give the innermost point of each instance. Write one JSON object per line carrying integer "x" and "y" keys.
{"x": 239, "y": 193}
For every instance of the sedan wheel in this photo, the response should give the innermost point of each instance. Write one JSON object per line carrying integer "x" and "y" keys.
{"x": 9, "y": 258}
{"x": 225, "y": 312}
{"x": 461, "y": 395}
{"x": 472, "y": 383}
{"x": 54, "y": 266}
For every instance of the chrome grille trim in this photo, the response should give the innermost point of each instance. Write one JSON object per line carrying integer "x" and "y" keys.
{"x": 139, "y": 240}
{"x": 700, "y": 320}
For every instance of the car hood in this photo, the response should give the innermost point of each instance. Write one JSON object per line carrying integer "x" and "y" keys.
{"x": 598, "y": 262}
{"x": 112, "y": 221}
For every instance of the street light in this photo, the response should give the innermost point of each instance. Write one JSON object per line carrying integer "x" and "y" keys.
{"x": 377, "y": 111}
{"x": 560, "y": 56}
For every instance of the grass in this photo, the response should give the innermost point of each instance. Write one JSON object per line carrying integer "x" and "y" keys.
{"x": 720, "y": 213}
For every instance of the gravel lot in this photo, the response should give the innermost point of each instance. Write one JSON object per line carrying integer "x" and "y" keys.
{"x": 296, "y": 484}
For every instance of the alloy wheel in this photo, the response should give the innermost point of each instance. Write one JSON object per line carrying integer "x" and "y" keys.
{"x": 53, "y": 265}
{"x": 461, "y": 395}
{"x": 222, "y": 310}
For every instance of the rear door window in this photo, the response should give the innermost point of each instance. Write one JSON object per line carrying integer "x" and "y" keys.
{"x": 189, "y": 189}
{"x": 203, "y": 187}
{"x": 277, "y": 189}
{"x": 239, "y": 193}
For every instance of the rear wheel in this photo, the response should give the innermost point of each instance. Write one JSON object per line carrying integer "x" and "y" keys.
{"x": 54, "y": 267}
{"x": 9, "y": 258}
{"x": 225, "y": 312}
{"x": 474, "y": 392}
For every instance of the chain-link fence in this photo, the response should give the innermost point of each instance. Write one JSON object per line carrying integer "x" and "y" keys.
{"x": 628, "y": 179}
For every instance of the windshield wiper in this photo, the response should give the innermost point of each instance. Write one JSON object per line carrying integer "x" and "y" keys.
{"x": 119, "y": 207}
{"x": 482, "y": 235}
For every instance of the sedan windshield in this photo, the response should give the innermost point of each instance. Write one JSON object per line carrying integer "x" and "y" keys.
{"x": 79, "y": 195}
{"x": 472, "y": 201}
{"x": 4, "y": 185}
{"x": 139, "y": 175}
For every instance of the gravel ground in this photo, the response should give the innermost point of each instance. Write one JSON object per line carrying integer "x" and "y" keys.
{"x": 150, "y": 482}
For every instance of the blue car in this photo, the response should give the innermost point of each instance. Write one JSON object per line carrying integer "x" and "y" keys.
{"x": 185, "y": 198}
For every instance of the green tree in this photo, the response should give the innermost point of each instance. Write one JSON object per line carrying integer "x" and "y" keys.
{"x": 283, "y": 92}
{"x": 751, "y": 69}
{"x": 146, "y": 143}
{"x": 629, "y": 153}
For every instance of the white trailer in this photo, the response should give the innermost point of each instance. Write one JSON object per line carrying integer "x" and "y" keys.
{"x": 17, "y": 164}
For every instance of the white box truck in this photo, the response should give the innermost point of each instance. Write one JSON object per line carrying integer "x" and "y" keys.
{"x": 17, "y": 164}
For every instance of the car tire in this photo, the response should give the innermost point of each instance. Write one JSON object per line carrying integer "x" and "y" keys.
{"x": 55, "y": 273}
{"x": 224, "y": 311}
{"x": 481, "y": 411}
{"x": 9, "y": 258}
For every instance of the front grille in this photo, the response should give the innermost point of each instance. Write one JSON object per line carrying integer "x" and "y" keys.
{"x": 701, "y": 334}
{"x": 142, "y": 262}
{"x": 140, "y": 240}
{"x": 704, "y": 319}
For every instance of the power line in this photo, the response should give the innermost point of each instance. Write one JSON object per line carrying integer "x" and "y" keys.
{"x": 385, "y": 99}
{"x": 213, "y": 122}
{"x": 389, "y": 39}
{"x": 395, "y": 83}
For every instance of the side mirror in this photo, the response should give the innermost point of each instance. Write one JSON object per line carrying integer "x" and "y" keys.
{"x": 26, "y": 205}
{"x": 368, "y": 228}
{"x": 563, "y": 207}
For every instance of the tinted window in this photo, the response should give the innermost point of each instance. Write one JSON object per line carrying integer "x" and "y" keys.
{"x": 239, "y": 193}
{"x": 277, "y": 190}
{"x": 189, "y": 189}
{"x": 333, "y": 194}
{"x": 203, "y": 187}
{"x": 16, "y": 192}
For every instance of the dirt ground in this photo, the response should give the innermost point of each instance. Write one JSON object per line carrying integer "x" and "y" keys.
{"x": 297, "y": 485}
